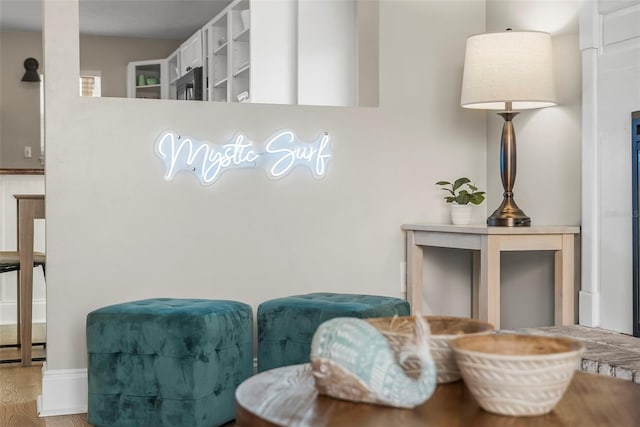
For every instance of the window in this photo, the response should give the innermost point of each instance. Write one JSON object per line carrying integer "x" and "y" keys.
{"x": 90, "y": 83}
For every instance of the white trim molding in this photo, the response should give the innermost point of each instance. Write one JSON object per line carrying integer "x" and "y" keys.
{"x": 589, "y": 307}
{"x": 610, "y": 46}
{"x": 9, "y": 312}
{"x": 64, "y": 391}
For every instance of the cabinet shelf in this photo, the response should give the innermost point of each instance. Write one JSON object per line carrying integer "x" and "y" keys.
{"x": 244, "y": 68}
{"x": 221, "y": 50}
{"x": 243, "y": 36}
{"x": 220, "y": 83}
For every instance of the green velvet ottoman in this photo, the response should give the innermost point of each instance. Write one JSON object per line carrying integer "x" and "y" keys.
{"x": 286, "y": 325}
{"x": 167, "y": 362}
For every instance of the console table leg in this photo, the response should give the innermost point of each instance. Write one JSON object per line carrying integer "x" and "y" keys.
{"x": 489, "y": 292}
{"x": 564, "y": 282}
{"x": 414, "y": 274}
{"x": 475, "y": 284}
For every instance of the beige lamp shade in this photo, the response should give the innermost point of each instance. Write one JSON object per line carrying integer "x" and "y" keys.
{"x": 512, "y": 66}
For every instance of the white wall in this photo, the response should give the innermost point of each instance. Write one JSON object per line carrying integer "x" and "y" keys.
{"x": 547, "y": 186}
{"x": 110, "y": 56}
{"x": 274, "y": 51}
{"x": 121, "y": 232}
{"x": 424, "y": 78}
{"x": 610, "y": 43}
{"x": 368, "y": 12}
{"x": 19, "y": 101}
{"x": 147, "y": 237}
{"x": 314, "y": 52}
{"x": 327, "y": 60}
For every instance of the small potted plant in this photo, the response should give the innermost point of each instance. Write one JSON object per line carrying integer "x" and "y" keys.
{"x": 460, "y": 193}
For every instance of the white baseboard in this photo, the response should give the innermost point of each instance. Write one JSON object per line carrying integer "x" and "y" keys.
{"x": 589, "y": 309}
{"x": 64, "y": 392}
{"x": 9, "y": 312}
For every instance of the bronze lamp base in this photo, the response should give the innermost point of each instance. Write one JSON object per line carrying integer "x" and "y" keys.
{"x": 508, "y": 214}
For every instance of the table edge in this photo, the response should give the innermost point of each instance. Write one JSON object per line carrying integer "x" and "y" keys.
{"x": 484, "y": 229}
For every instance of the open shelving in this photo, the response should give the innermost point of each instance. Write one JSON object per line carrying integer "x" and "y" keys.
{"x": 228, "y": 37}
{"x": 141, "y": 72}
{"x": 240, "y": 61}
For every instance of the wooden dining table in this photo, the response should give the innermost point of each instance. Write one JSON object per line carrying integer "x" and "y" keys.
{"x": 30, "y": 208}
{"x": 287, "y": 397}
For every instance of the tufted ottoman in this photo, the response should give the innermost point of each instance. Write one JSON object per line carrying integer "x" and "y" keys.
{"x": 286, "y": 325}
{"x": 167, "y": 362}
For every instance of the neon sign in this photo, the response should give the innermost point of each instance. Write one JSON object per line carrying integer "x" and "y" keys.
{"x": 282, "y": 153}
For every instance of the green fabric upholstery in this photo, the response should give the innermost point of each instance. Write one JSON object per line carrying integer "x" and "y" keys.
{"x": 167, "y": 362}
{"x": 286, "y": 325}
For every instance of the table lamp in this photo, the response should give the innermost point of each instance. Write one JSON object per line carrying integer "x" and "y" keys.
{"x": 508, "y": 71}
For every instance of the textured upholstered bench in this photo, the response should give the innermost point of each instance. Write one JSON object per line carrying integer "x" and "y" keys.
{"x": 286, "y": 325}
{"x": 167, "y": 362}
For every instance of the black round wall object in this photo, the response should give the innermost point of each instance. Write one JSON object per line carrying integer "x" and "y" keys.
{"x": 31, "y": 64}
{"x": 31, "y": 70}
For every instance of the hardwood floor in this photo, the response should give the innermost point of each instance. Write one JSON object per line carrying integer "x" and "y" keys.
{"x": 19, "y": 387}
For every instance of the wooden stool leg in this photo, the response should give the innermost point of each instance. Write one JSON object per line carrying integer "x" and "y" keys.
{"x": 18, "y": 310}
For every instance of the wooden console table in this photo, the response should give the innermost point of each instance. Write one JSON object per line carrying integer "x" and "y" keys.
{"x": 487, "y": 243}
{"x": 30, "y": 207}
{"x": 288, "y": 397}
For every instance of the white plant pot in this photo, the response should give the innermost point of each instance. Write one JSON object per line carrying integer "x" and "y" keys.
{"x": 460, "y": 214}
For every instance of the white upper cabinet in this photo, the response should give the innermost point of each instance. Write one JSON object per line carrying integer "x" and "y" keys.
{"x": 227, "y": 38}
{"x": 191, "y": 53}
{"x": 147, "y": 79}
{"x": 174, "y": 72}
{"x": 216, "y": 41}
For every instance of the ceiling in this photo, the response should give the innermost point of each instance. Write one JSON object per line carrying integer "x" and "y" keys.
{"x": 161, "y": 19}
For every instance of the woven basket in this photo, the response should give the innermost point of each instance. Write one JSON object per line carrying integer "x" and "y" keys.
{"x": 399, "y": 331}
{"x": 518, "y": 375}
